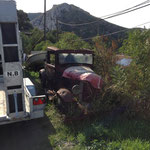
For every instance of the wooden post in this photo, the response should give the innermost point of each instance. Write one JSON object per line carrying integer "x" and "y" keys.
{"x": 44, "y": 20}
{"x": 57, "y": 29}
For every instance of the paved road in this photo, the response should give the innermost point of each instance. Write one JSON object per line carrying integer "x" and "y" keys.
{"x": 27, "y": 135}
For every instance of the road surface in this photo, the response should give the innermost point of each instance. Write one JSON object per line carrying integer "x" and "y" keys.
{"x": 27, "y": 135}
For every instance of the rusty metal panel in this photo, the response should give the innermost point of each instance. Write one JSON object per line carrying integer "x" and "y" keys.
{"x": 65, "y": 94}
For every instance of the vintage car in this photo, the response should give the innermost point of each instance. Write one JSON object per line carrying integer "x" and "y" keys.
{"x": 68, "y": 75}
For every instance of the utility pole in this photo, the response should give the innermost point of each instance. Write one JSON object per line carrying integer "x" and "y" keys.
{"x": 57, "y": 29}
{"x": 98, "y": 28}
{"x": 44, "y": 20}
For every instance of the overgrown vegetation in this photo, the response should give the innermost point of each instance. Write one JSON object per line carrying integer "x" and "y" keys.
{"x": 98, "y": 133}
{"x": 138, "y": 47}
{"x": 126, "y": 88}
{"x": 134, "y": 81}
{"x": 123, "y": 106}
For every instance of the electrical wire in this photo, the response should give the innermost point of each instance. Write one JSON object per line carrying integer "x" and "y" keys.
{"x": 145, "y": 2}
{"x": 105, "y": 17}
{"x": 39, "y": 40}
{"x": 136, "y": 7}
{"x": 127, "y": 11}
{"x": 108, "y": 34}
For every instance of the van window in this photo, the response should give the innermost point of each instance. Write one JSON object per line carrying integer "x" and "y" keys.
{"x": 11, "y": 54}
{"x": 9, "y": 33}
{"x": 12, "y": 102}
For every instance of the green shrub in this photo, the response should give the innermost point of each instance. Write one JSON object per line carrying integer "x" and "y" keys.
{"x": 69, "y": 40}
{"x": 42, "y": 45}
{"x": 134, "y": 80}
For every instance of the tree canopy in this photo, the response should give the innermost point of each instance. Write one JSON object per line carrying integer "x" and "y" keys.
{"x": 70, "y": 40}
{"x": 24, "y": 22}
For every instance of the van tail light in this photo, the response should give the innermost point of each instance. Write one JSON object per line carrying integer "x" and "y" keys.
{"x": 39, "y": 100}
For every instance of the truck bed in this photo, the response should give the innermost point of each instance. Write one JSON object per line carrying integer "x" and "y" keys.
{"x": 2, "y": 101}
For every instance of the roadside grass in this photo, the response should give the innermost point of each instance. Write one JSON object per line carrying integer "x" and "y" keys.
{"x": 98, "y": 133}
{"x": 101, "y": 132}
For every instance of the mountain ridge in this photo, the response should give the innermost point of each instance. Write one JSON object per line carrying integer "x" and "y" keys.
{"x": 34, "y": 15}
{"x": 74, "y": 15}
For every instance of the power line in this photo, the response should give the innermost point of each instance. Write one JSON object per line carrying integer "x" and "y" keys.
{"x": 136, "y": 7}
{"x": 107, "y": 16}
{"x": 127, "y": 9}
{"x": 95, "y": 36}
{"x": 108, "y": 34}
{"x": 39, "y": 40}
{"x": 127, "y": 12}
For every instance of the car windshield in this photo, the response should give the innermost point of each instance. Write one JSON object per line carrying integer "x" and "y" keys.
{"x": 66, "y": 58}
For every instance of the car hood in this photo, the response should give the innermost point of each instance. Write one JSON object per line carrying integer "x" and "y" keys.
{"x": 83, "y": 73}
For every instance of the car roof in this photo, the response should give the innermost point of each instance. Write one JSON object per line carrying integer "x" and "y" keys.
{"x": 55, "y": 50}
